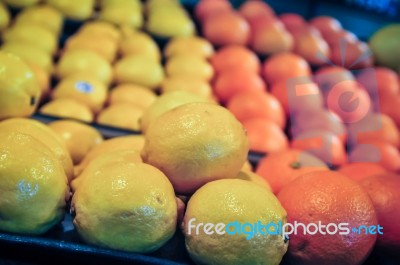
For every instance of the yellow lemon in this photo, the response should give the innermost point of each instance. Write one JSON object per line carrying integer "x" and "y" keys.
{"x": 115, "y": 206}
{"x": 21, "y": 3}
{"x": 84, "y": 61}
{"x": 125, "y": 13}
{"x": 83, "y": 88}
{"x": 43, "y": 79}
{"x": 43, "y": 134}
{"x": 140, "y": 43}
{"x": 121, "y": 115}
{"x": 67, "y": 108}
{"x": 30, "y": 54}
{"x": 194, "y": 144}
{"x": 33, "y": 185}
{"x": 32, "y": 34}
{"x": 44, "y": 15}
{"x": 100, "y": 29}
{"x": 189, "y": 66}
{"x": 196, "y": 85}
{"x": 237, "y": 202}
{"x": 139, "y": 70}
{"x": 133, "y": 94}
{"x": 4, "y": 17}
{"x": 166, "y": 102}
{"x": 133, "y": 142}
{"x": 189, "y": 45}
{"x": 19, "y": 89}
{"x": 76, "y": 10}
{"x": 170, "y": 22}
{"x": 122, "y": 155}
{"x": 79, "y": 138}
{"x": 253, "y": 177}
{"x": 247, "y": 166}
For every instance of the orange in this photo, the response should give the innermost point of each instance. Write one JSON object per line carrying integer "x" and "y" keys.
{"x": 323, "y": 144}
{"x": 226, "y": 28}
{"x": 292, "y": 21}
{"x": 313, "y": 48}
{"x": 246, "y": 105}
{"x": 277, "y": 67}
{"x": 328, "y": 197}
{"x": 373, "y": 127}
{"x": 282, "y": 167}
{"x": 207, "y": 8}
{"x": 309, "y": 98}
{"x": 389, "y": 106}
{"x": 355, "y": 55}
{"x": 252, "y": 9}
{"x": 265, "y": 135}
{"x": 235, "y": 56}
{"x": 379, "y": 81}
{"x": 326, "y": 25}
{"x": 237, "y": 80}
{"x": 361, "y": 170}
{"x": 384, "y": 192}
{"x": 342, "y": 36}
{"x": 328, "y": 76}
{"x": 379, "y": 152}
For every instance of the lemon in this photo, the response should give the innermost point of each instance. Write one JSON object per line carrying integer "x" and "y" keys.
{"x": 21, "y": 3}
{"x": 192, "y": 45}
{"x": 19, "y": 88}
{"x": 84, "y": 61}
{"x": 33, "y": 185}
{"x": 166, "y": 102}
{"x": 45, "y": 135}
{"x": 43, "y": 78}
{"x": 67, "y": 108}
{"x": 79, "y": 138}
{"x": 102, "y": 45}
{"x": 100, "y": 29}
{"x": 4, "y": 17}
{"x": 122, "y": 155}
{"x": 28, "y": 33}
{"x": 76, "y": 10}
{"x": 247, "y": 166}
{"x": 133, "y": 142}
{"x": 125, "y": 13}
{"x": 126, "y": 206}
{"x": 133, "y": 94}
{"x": 189, "y": 66}
{"x": 44, "y": 15}
{"x": 139, "y": 70}
{"x": 234, "y": 200}
{"x": 140, "y": 43}
{"x": 170, "y": 22}
{"x": 121, "y": 115}
{"x": 194, "y": 144}
{"x": 253, "y": 177}
{"x": 83, "y": 88}
{"x": 30, "y": 54}
{"x": 191, "y": 84}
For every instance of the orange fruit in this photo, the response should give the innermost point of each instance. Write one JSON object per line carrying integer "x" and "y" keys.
{"x": 379, "y": 152}
{"x": 283, "y": 167}
{"x": 355, "y": 55}
{"x": 299, "y": 96}
{"x": 384, "y": 192}
{"x": 252, "y": 8}
{"x": 292, "y": 21}
{"x": 341, "y": 36}
{"x": 237, "y": 80}
{"x": 379, "y": 81}
{"x": 328, "y": 197}
{"x": 326, "y": 25}
{"x": 313, "y": 48}
{"x": 323, "y": 144}
{"x": 276, "y": 67}
{"x": 226, "y": 28}
{"x": 207, "y": 8}
{"x": 235, "y": 56}
{"x": 246, "y": 105}
{"x": 328, "y": 76}
{"x": 265, "y": 135}
{"x": 361, "y": 170}
{"x": 389, "y": 106}
{"x": 373, "y": 127}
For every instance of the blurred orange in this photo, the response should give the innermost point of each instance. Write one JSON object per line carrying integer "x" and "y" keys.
{"x": 292, "y": 21}
{"x": 328, "y": 76}
{"x": 326, "y": 25}
{"x": 356, "y": 55}
{"x": 271, "y": 39}
{"x": 237, "y": 80}
{"x": 248, "y": 104}
{"x": 361, "y": 170}
{"x": 341, "y": 36}
{"x": 206, "y": 8}
{"x": 235, "y": 56}
{"x": 285, "y": 65}
{"x": 380, "y": 81}
{"x": 313, "y": 48}
{"x": 254, "y": 8}
{"x": 265, "y": 135}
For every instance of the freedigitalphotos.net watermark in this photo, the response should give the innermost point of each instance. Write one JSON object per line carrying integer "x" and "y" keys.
{"x": 283, "y": 229}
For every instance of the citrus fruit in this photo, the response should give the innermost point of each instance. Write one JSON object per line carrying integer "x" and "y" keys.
{"x": 78, "y": 137}
{"x": 271, "y": 39}
{"x": 235, "y": 56}
{"x": 190, "y": 66}
{"x": 170, "y": 22}
{"x": 195, "y": 143}
{"x": 114, "y": 207}
{"x": 327, "y": 198}
{"x": 19, "y": 88}
{"x": 189, "y": 45}
{"x": 121, "y": 115}
{"x": 140, "y": 43}
{"x": 99, "y": 29}
{"x": 21, "y": 3}
{"x": 379, "y": 81}
{"x": 313, "y": 48}
{"x": 253, "y": 9}
{"x": 292, "y": 21}
{"x": 361, "y": 170}
{"x": 133, "y": 94}
{"x": 43, "y": 79}
{"x": 231, "y": 201}
{"x": 4, "y": 17}
{"x": 127, "y": 13}
{"x": 281, "y": 168}
{"x": 193, "y": 85}
{"x": 254, "y": 178}
{"x": 74, "y": 10}
{"x": 357, "y": 55}
{"x": 67, "y": 108}
{"x": 384, "y": 43}
{"x": 33, "y": 185}
{"x": 328, "y": 76}
{"x": 207, "y": 8}
{"x": 326, "y": 25}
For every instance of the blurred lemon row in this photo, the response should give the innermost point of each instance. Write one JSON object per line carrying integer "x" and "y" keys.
{"x": 109, "y": 71}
